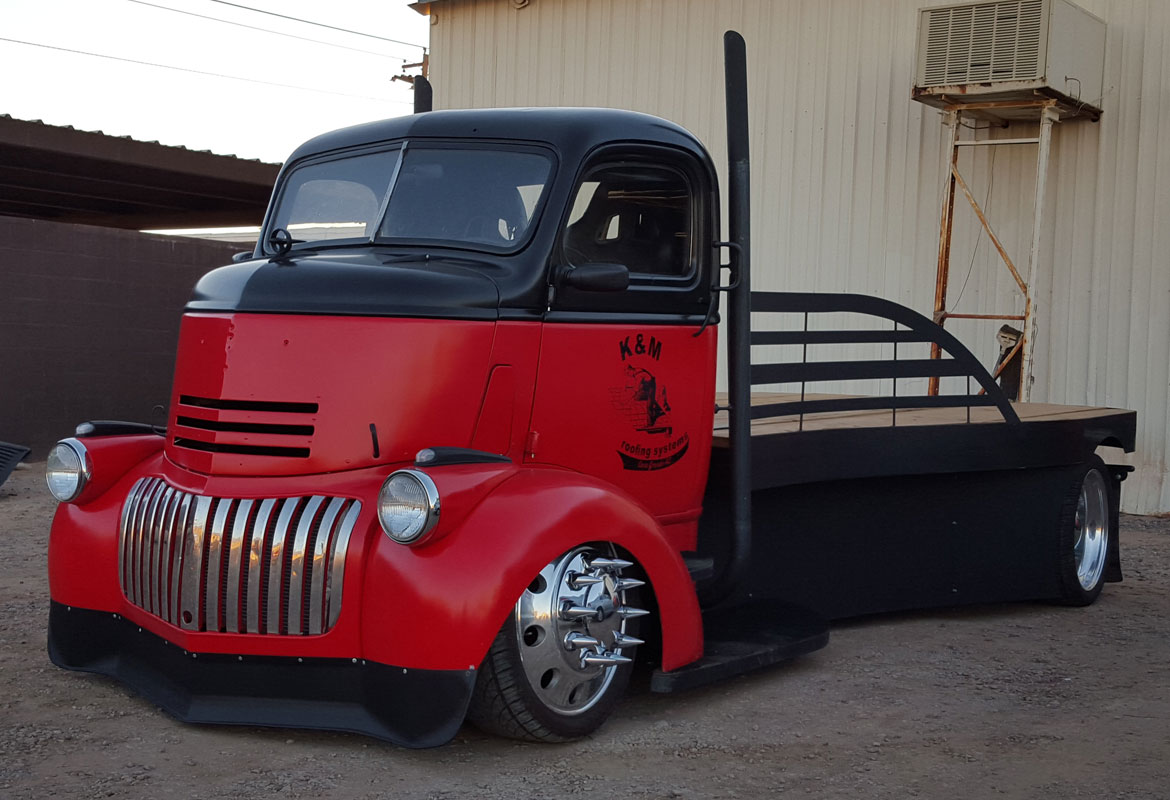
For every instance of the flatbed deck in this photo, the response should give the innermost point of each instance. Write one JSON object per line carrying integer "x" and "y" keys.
{"x": 841, "y": 445}
{"x": 793, "y": 423}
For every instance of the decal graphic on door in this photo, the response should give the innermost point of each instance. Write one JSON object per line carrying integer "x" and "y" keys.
{"x": 641, "y": 401}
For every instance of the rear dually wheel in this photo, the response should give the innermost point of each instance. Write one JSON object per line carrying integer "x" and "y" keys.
{"x": 1086, "y": 534}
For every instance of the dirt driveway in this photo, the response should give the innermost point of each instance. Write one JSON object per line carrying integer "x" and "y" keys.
{"x": 1018, "y": 701}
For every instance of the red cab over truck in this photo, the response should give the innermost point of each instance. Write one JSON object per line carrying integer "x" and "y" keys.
{"x": 447, "y": 445}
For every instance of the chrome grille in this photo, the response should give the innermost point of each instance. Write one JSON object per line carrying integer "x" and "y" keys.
{"x": 271, "y": 566}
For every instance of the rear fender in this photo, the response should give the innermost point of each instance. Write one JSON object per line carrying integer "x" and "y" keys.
{"x": 439, "y": 605}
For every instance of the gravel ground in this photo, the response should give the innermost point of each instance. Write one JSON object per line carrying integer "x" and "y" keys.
{"x": 1017, "y": 701}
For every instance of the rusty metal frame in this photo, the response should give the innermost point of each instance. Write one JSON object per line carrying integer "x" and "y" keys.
{"x": 1048, "y": 113}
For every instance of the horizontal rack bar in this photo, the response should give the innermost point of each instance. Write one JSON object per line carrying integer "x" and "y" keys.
{"x": 812, "y": 371}
{"x": 839, "y": 337}
{"x": 795, "y": 407}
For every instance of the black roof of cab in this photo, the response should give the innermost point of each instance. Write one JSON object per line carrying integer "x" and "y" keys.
{"x": 571, "y": 131}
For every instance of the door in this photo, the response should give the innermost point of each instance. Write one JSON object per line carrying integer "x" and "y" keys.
{"x": 626, "y": 379}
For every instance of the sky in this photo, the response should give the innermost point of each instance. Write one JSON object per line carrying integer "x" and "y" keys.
{"x": 294, "y": 89}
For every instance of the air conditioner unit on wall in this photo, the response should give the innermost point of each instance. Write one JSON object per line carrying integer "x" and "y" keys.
{"x": 1011, "y": 50}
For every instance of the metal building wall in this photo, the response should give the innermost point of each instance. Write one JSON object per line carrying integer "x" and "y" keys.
{"x": 848, "y": 170}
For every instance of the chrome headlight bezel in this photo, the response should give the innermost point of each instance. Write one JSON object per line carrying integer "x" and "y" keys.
{"x": 426, "y": 512}
{"x": 63, "y": 452}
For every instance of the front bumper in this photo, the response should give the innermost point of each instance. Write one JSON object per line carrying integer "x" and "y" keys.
{"x": 409, "y": 707}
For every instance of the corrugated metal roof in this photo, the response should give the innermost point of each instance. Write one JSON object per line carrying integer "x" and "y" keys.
{"x": 848, "y": 170}
{"x": 132, "y": 139}
{"x": 69, "y": 175}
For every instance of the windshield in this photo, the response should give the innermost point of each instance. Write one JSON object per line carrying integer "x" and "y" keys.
{"x": 474, "y": 197}
{"x": 337, "y": 199}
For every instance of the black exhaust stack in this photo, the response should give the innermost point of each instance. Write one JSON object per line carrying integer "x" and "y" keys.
{"x": 424, "y": 96}
{"x": 739, "y": 314}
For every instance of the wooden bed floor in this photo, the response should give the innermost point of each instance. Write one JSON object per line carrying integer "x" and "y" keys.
{"x": 884, "y": 418}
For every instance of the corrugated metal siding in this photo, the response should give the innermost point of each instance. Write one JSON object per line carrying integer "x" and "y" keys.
{"x": 848, "y": 170}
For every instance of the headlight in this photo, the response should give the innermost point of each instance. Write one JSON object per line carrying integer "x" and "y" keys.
{"x": 408, "y": 506}
{"x": 67, "y": 470}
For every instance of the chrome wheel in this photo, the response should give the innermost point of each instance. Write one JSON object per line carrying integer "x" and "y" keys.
{"x": 571, "y": 626}
{"x": 1091, "y": 530}
{"x": 563, "y": 657}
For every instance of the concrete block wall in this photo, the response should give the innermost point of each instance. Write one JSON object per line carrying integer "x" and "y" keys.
{"x": 89, "y": 321}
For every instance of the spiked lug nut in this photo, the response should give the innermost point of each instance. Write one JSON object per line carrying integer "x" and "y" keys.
{"x": 571, "y": 611}
{"x": 603, "y": 659}
{"x": 622, "y": 584}
{"x": 580, "y": 641}
{"x": 601, "y": 562}
{"x": 621, "y": 640}
{"x": 629, "y": 612}
{"x": 578, "y": 580}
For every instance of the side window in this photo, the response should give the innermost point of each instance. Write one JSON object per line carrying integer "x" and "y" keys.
{"x": 634, "y": 214}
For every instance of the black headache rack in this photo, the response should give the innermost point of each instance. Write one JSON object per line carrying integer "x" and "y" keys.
{"x": 903, "y": 327}
{"x": 974, "y": 429}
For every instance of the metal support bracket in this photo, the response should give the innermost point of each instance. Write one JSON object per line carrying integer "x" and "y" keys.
{"x": 1048, "y": 113}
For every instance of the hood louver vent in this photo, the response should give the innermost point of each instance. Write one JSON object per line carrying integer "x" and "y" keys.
{"x": 244, "y": 427}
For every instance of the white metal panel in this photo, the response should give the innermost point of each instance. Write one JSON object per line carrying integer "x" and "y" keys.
{"x": 848, "y": 171}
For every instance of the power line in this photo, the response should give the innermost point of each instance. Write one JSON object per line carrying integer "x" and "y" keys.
{"x": 318, "y": 24}
{"x": 201, "y": 72}
{"x": 264, "y": 30}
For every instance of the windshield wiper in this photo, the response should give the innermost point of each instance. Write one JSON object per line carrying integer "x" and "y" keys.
{"x": 427, "y": 257}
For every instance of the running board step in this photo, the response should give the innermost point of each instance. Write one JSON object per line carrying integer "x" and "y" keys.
{"x": 746, "y": 638}
{"x": 702, "y": 568}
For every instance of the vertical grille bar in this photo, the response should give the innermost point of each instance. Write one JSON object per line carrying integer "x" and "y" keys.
{"x": 124, "y": 546}
{"x": 255, "y": 566}
{"x": 178, "y": 537}
{"x": 152, "y": 548}
{"x": 297, "y": 569}
{"x": 276, "y": 561}
{"x": 325, "y": 534}
{"x": 135, "y": 544}
{"x": 142, "y": 541}
{"x": 159, "y": 538}
{"x": 214, "y": 563}
{"x": 337, "y": 561}
{"x": 231, "y": 609}
{"x": 193, "y": 564}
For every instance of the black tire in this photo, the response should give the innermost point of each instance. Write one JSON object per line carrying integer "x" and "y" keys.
{"x": 1086, "y": 534}
{"x": 532, "y": 687}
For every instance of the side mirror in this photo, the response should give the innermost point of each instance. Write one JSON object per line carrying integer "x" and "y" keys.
{"x": 596, "y": 277}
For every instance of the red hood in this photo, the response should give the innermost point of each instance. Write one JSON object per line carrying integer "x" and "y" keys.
{"x": 275, "y": 394}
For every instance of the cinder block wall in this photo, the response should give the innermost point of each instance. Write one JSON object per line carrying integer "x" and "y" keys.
{"x": 89, "y": 320}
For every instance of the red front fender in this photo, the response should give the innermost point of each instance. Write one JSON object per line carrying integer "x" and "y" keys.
{"x": 439, "y": 605}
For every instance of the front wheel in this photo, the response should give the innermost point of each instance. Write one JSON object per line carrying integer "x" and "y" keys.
{"x": 1086, "y": 531}
{"x": 562, "y": 659}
